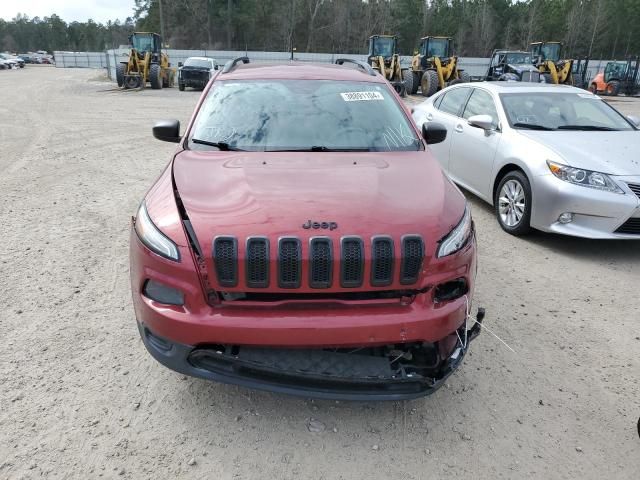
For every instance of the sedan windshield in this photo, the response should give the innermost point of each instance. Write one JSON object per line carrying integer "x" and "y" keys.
{"x": 314, "y": 115}
{"x": 561, "y": 111}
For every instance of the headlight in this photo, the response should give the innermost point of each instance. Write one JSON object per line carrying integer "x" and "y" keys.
{"x": 458, "y": 237}
{"x": 586, "y": 178}
{"x": 153, "y": 238}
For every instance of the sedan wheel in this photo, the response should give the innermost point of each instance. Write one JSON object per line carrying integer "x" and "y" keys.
{"x": 513, "y": 203}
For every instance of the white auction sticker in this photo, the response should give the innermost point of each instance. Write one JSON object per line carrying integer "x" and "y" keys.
{"x": 361, "y": 96}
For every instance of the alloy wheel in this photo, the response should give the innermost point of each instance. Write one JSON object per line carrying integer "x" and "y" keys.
{"x": 511, "y": 203}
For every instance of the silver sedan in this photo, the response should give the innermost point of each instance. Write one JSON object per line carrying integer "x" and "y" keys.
{"x": 554, "y": 158}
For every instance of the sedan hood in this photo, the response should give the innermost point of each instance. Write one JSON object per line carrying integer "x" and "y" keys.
{"x": 614, "y": 153}
{"x": 274, "y": 194}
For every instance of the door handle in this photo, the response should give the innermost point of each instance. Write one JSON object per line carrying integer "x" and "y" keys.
{"x": 429, "y": 117}
{"x": 459, "y": 128}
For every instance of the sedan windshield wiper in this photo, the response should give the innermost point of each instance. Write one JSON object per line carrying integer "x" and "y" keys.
{"x": 531, "y": 126}
{"x": 220, "y": 145}
{"x": 320, "y": 148}
{"x": 586, "y": 128}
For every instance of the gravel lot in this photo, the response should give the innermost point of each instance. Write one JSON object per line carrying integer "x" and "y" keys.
{"x": 81, "y": 398}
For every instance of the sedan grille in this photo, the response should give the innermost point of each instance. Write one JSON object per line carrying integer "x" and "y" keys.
{"x": 631, "y": 226}
{"x": 412, "y": 254}
{"x": 635, "y": 188}
{"x": 289, "y": 263}
{"x": 329, "y": 263}
{"x": 225, "y": 257}
{"x": 257, "y": 262}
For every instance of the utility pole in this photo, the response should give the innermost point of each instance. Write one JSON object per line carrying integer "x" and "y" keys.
{"x": 161, "y": 24}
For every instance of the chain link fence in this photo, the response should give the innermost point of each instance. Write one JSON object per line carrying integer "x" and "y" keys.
{"x": 475, "y": 66}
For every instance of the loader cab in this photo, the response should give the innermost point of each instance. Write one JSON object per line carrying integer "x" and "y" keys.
{"x": 543, "y": 51}
{"x": 615, "y": 71}
{"x": 441, "y": 47}
{"x": 146, "y": 42}
{"x": 382, "y": 46}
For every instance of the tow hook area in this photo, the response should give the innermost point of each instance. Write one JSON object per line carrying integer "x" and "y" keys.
{"x": 474, "y": 331}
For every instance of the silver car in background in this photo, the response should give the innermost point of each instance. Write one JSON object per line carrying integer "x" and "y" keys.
{"x": 554, "y": 158}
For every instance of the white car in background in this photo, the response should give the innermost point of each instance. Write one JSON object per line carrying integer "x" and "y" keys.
{"x": 554, "y": 158}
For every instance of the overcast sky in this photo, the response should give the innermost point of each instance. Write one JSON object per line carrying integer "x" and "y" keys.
{"x": 69, "y": 10}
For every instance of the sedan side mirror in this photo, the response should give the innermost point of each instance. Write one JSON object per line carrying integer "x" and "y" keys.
{"x": 215, "y": 66}
{"x": 633, "y": 119}
{"x": 180, "y": 64}
{"x": 167, "y": 130}
{"x": 433, "y": 132}
{"x": 484, "y": 122}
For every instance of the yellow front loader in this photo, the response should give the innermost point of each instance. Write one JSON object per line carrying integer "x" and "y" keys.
{"x": 434, "y": 66}
{"x": 546, "y": 58}
{"x": 146, "y": 63}
{"x": 383, "y": 57}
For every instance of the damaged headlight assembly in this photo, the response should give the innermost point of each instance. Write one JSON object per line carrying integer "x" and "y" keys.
{"x": 154, "y": 239}
{"x": 585, "y": 178}
{"x": 458, "y": 237}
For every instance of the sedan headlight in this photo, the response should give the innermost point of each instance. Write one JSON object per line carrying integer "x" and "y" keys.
{"x": 458, "y": 237}
{"x": 586, "y": 178}
{"x": 153, "y": 238}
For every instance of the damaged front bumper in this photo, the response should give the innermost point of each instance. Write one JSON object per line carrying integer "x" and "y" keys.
{"x": 394, "y": 372}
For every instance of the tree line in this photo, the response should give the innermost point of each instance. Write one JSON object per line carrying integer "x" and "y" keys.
{"x": 597, "y": 28}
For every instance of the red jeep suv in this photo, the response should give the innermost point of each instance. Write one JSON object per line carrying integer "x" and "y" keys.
{"x": 304, "y": 240}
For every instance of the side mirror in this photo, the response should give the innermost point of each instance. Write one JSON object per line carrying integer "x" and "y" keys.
{"x": 215, "y": 67}
{"x": 484, "y": 122}
{"x": 634, "y": 119}
{"x": 433, "y": 132}
{"x": 180, "y": 64}
{"x": 167, "y": 130}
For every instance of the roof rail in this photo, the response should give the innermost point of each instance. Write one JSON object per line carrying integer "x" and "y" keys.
{"x": 230, "y": 65}
{"x": 363, "y": 65}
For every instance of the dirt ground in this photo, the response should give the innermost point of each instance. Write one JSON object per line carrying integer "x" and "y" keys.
{"x": 81, "y": 398}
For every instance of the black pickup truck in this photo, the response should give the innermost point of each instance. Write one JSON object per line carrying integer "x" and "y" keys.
{"x": 195, "y": 72}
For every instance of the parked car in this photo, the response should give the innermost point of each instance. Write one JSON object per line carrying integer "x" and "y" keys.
{"x": 294, "y": 245}
{"x": 196, "y": 72}
{"x": 553, "y": 158}
{"x": 25, "y": 58}
{"x": 15, "y": 62}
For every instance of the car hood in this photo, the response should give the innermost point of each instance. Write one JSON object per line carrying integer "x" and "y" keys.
{"x": 518, "y": 67}
{"x": 614, "y": 153}
{"x": 274, "y": 194}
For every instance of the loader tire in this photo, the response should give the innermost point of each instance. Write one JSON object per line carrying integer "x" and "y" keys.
{"x": 409, "y": 79}
{"x": 181, "y": 86}
{"x": 416, "y": 82}
{"x": 464, "y": 77}
{"x": 429, "y": 84}
{"x": 120, "y": 74}
{"x": 155, "y": 76}
{"x": 613, "y": 88}
{"x": 132, "y": 82}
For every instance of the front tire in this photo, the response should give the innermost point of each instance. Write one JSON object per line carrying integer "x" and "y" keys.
{"x": 181, "y": 86}
{"x": 120, "y": 74}
{"x": 155, "y": 76}
{"x": 407, "y": 76}
{"x": 613, "y": 88}
{"x": 430, "y": 83}
{"x": 512, "y": 203}
{"x": 464, "y": 77}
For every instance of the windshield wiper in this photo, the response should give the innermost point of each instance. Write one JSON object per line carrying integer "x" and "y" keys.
{"x": 531, "y": 126}
{"x": 320, "y": 148}
{"x": 586, "y": 128}
{"x": 220, "y": 145}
